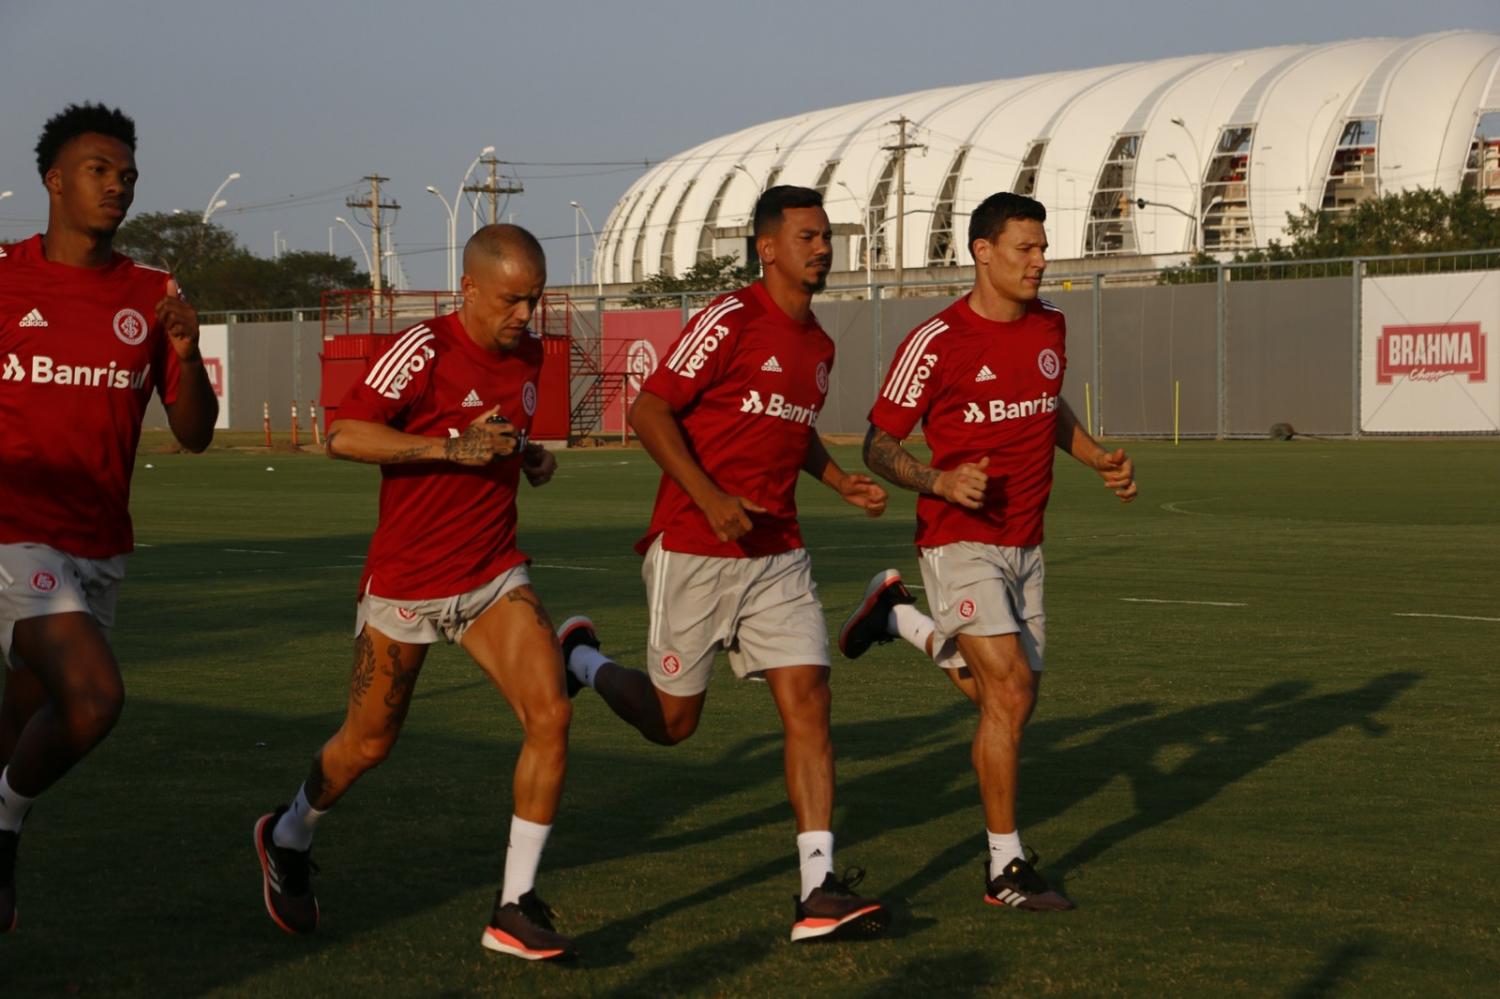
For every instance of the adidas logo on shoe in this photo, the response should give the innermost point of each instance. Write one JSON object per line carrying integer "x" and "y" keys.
{"x": 985, "y": 374}
{"x": 771, "y": 364}
{"x": 472, "y": 400}
{"x": 33, "y": 318}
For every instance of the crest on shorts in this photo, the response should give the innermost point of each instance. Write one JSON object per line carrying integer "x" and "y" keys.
{"x": 966, "y": 609}
{"x": 1049, "y": 363}
{"x": 130, "y": 326}
{"x": 822, "y": 376}
{"x": 670, "y": 664}
{"x": 43, "y": 582}
{"x": 528, "y": 398}
{"x": 406, "y": 614}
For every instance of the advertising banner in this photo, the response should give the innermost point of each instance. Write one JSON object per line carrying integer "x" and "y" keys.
{"x": 213, "y": 342}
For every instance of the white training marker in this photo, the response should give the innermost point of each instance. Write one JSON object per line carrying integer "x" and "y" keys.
{"x": 1452, "y": 617}
{"x": 270, "y": 469}
{"x": 149, "y": 465}
{"x": 1197, "y": 603}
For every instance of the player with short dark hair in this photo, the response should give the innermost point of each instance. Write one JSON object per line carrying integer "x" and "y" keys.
{"x": 446, "y": 412}
{"x": 984, "y": 377}
{"x": 79, "y": 359}
{"x": 729, "y": 417}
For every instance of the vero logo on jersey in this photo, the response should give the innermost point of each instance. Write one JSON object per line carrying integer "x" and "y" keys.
{"x": 46, "y": 371}
{"x": 998, "y": 410}
{"x": 698, "y": 358}
{"x": 918, "y": 380}
{"x": 418, "y": 360}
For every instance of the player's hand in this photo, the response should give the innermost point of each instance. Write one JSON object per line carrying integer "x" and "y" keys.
{"x": 490, "y": 436}
{"x": 538, "y": 463}
{"x": 862, "y": 491}
{"x": 729, "y": 516}
{"x": 1118, "y": 473}
{"x": 180, "y": 320}
{"x": 965, "y": 485}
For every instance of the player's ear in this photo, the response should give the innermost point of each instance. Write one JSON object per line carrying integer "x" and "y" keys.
{"x": 981, "y": 249}
{"x": 468, "y": 287}
{"x": 53, "y": 180}
{"x": 765, "y": 248}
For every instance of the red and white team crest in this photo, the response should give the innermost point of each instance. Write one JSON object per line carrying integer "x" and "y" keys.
{"x": 528, "y": 398}
{"x": 822, "y": 376}
{"x": 966, "y": 609}
{"x": 406, "y": 614}
{"x": 130, "y": 326}
{"x": 670, "y": 664}
{"x": 43, "y": 582}
{"x": 640, "y": 363}
{"x": 1049, "y": 363}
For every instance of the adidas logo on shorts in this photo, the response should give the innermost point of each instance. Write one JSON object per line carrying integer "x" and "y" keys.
{"x": 33, "y": 318}
{"x": 985, "y": 374}
{"x": 472, "y": 400}
{"x": 771, "y": 364}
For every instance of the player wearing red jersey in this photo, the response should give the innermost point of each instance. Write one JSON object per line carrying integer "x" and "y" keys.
{"x": 446, "y": 412}
{"x": 729, "y": 417}
{"x": 79, "y": 360}
{"x": 984, "y": 377}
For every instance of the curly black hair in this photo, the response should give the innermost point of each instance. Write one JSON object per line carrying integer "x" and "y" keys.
{"x": 75, "y": 120}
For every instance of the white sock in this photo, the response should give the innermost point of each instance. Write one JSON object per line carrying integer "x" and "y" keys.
{"x": 911, "y": 624}
{"x": 522, "y": 857}
{"x": 295, "y": 829}
{"x": 584, "y": 662}
{"x": 13, "y": 805}
{"x": 814, "y": 858}
{"x": 1004, "y": 847}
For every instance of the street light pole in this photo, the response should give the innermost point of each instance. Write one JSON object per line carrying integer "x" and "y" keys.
{"x": 1175, "y": 159}
{"x": 593, "y": 260}
{"x": 864, "y": 216}
{"x": 214, "y": 204}
{"x": 369, "y": 268}
{"x": 452, "y": 232}
{"x": 452, "y": 208}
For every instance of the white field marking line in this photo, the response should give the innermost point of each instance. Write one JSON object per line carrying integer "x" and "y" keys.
{"x": 253, "y": 551}
{"x": 1176, "y": 507}
{"x": 570, "y": 568}
{"x": 1199, "y": 603}
{"x": 1452, "y": 617}
{"x": 237, "y": 572}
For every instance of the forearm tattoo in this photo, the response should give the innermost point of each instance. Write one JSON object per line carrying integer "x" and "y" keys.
{"x": 473, "y": 445}
{"x": 888, "y": 459}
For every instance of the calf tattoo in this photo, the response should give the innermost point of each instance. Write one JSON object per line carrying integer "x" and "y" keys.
{"x": 887, "y": 458}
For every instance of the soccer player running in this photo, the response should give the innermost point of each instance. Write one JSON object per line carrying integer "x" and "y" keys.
{"x": 730, "y": 418}
{"x": 79, "y": 359}
{"x": 446, "y": 412}
{"x": 985, "y": 378}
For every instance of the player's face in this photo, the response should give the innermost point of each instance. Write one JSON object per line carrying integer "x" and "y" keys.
{"x": 92, "y": 184}
{"x": 500, "y": 297}
{"x": 800, "y": 251}
{"x": 1015, "y": 262}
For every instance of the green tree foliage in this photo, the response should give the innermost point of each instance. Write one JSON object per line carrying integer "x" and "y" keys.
{"x": 663, "y": 291}
{"x": 1406, "y": 222}
{"x": 218, "y": 274}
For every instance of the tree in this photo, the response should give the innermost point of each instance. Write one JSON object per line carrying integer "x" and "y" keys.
{"x": 176, "y": 242}
{"x": 662, "y": 291}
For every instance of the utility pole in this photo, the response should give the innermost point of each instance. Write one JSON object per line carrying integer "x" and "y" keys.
{"x": 900, "y": 149}
{"x": 494, "y": 186}
{"x": 373, "y": 206}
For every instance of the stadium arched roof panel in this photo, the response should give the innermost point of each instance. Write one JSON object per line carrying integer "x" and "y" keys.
{"x": 1221, "y": 147}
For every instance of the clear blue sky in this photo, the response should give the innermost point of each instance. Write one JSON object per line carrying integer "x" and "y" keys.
{"x": 303, "y": 98}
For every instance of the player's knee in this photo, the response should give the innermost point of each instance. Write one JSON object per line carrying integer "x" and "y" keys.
{"x": 371, "y": 751}
{"x": 549, "y": 722}
{"x": 89, "y": 717}
{"x": 676, "y": 729}
{"x": 811, "y": 709}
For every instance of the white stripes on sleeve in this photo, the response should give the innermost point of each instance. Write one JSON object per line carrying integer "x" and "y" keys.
{"x": 701, "y": 331}
{"x": 394, "y": 361}
{"x": 904, "y": 369}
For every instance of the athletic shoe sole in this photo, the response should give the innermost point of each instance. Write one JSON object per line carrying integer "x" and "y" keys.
{"x": 877, "y": 586}
{"x": 265, "y": 876}
{"x": 503, "y": 943}
{"x": 867, "y": 922}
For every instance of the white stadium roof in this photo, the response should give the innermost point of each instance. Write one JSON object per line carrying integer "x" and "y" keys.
{"x": 1234, "y": 140}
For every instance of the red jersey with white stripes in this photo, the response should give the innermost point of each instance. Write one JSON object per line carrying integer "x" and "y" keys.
{"x": 981, "y": 389}
{"x": 746, "y": 382}
{"x": 444, "y": 529}
{"x": 80, "y": 352}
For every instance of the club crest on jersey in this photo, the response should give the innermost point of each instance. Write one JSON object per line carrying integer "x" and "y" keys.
{"x": 1049, "y": 363}
{"x": 822, "y": 376}
{"x": 528, "y": 398}
{"x": 130, "y": 326}
{"x": 670, "y": 664}
{"x": 43, "y": 582}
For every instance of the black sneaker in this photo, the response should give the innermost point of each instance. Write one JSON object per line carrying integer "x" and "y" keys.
{"x": 867, "y": 625}
{"x": 1021, "y": 887}
{"x": 832, "y": 908}
{"x": 524, "y": 929}
{"x": 286, "y": 877}
{"x": 575, "y": 631}
{"x": 9, "y": 841}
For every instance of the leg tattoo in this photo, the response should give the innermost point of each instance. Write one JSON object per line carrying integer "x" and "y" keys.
{"x": 526, "y": 595}
{"x": 364, "y": 668}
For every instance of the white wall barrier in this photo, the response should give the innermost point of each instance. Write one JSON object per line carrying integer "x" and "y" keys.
{"x": 213, "y": 343}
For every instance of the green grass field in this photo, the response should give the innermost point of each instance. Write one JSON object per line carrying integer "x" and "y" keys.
{"x": 1291, "y": 795}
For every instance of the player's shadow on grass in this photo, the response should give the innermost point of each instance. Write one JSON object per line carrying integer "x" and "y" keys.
{"x": 1225, "y": 742}
{"x": 1339, "y": 964}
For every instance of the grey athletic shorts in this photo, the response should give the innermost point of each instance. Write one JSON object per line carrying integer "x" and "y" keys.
{"x": 424, "y": 622}
{"x": 36, "y": 581}
{"x": 985, "y": 590}
{"x": 763, "y": 610}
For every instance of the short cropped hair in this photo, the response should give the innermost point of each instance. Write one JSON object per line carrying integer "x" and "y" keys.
{"x": 774, "y": 201}
{"x": 79, "y": 119}
{"x": 502, "y": 241}
{"x": 988, "y": 220}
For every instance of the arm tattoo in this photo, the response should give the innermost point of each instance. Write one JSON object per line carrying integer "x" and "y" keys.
{"x": 888, "y": 459}
{"x": 473, "y": 444}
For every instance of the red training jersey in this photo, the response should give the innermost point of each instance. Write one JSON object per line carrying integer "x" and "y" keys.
{"x": 981, "y": 389}
{"x": 746, "y": 382}
{"x": 80, "y": 352}
{"x": 444, "y": 529}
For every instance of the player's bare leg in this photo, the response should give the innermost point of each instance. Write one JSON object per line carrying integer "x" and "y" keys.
{"x": 663, "y": 718}
{"x": 24, "y": 696}
{"x": 804, "y": 702}
{"x": 514, "y": 643}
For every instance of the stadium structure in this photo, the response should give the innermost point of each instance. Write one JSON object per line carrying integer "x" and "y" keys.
{"x": 1146, "y": 159}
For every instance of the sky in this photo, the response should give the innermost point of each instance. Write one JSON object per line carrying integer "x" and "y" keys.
{"x": 304, "y": 98}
